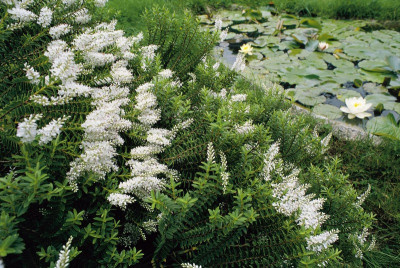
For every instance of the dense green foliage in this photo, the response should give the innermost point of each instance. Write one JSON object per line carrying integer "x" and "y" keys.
{"x": 130, "y": 11}
{"x": 378, "y": 166}
{"x": 220, "y": 207}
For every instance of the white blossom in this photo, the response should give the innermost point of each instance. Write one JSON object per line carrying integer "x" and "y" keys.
{"x": 190, "y": 265}
{"x": 59, "y": 30}
{"x": 166, "y": 73}
{"x": 150, "y": 226}
{"x": 239, "y": 97}
{"x": 120, "y": 74}
{"x": 325, "y": 143}
{"x": 145, "y": 100}
{"x": 21, "y": 15}
{"x": 210, "y": 153}
{"x": 362, "y": 197}
{"x": 145, "y": 152}
{"x": 149, "y": 117}
{"x": 159, "y": 136}
{"x": 120, "y": 200}
{"x": 218, "y": 24}
{"x": 82, "y": 16}
{"x": 100, "y": 3}
{"x": 96, "y": 59}
{"x": 322, "y": 241}
{"x": 147, "y": 167}
{"x": 51, "y": 130}
{"x": 45, "y": 17}
{"x": 27, "y": 130}
{"x": 223, "y": 35}
{"x": 246, "y": 128}
{"x": 31, "y": 74}
{"x": 142, "y": 186}
{"x": 240, "y": 63}
{"x": 63, "y": 257}
{"x": 69, "y": 2}
{"x": 148, "y": 52}
{"x": 224, "y": 172}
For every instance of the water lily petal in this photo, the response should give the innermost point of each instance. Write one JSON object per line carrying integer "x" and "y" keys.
{"x": 345, "y": 109}
{"x": 367, "y": 106}
{"x": 351, "y": 116}
{"x": 363, "y": 114}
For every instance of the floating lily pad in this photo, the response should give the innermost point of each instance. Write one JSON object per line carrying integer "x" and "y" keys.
{"x": 383, "y": 98}
{"x": 376, "y": 77}
{"x": 394, "y": 106}
{"x": 384, "y": 126}
{"x": 329, "y": 111}
{"x": 347, "y": 94}
{"x": 310, "y": 23}
{"x": 261, "y": 41}
{"x": 394, "y": 63}
{"x": 309, "y": 97}
{"x": 249, "y": 29}
{"x": 374, "y": 88}
{"x": 373, "y": 66}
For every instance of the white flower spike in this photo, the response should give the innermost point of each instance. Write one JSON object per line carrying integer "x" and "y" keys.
{"x": 356, "y": 107}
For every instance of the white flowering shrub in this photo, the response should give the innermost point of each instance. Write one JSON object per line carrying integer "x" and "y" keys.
{"x": 112, "y": 142}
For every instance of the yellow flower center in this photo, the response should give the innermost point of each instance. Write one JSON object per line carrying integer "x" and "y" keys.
{"x": 356, "y": 104}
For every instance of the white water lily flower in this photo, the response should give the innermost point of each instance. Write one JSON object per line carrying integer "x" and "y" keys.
{"x": 246, "y": 49}
{"x": 323, "y": 45}
{"x": 356, "y": 107}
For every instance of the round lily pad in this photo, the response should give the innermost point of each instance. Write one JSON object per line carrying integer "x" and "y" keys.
{"x": 384, "y": 126}
{"x": 383, "y": 98}
{"x": 374, "y": 88}
{"x": 394, "y": 106}
{"x": 329, "y": 111}
{"x": 249, "y": 29}
{"x": 373, "y": 66}
{"x": 347, "y": 94}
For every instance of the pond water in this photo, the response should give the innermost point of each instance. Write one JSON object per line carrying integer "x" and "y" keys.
{"x": 357, "y": 62}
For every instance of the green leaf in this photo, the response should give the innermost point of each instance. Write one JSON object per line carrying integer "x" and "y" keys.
{"x": 394, "y": 63}
{"x": 329, "y": 111}
{"x": 357, "y": 82}
{"x": 384, "y": 126}
{"x": 312, "y": 45}
{"x": 310, "y": 23}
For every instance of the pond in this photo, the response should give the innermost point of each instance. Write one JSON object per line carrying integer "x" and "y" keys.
{"x": 356, "y": 62}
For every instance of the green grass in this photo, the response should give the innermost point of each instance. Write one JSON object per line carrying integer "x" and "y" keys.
{"x": 343, "y": 9}
{"x": 378, "y": 166}
{"x": 129, "y": 12}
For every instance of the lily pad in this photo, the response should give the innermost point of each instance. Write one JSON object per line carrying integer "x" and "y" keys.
{"x": 373, "y": 66}
{"x": 374, "y": 88}
{"x": 347, "y": 94}
{"x": 329, "y": 111}
{"x": 394, "y": 63}
{"x": 311, "y": 23}
{"x": 384, "y": 126}
{"x": 245, "y": 28}
{"x": 383, "y": 98}
{"x": 309, "y": 97}
{"x": 394, "y": 106}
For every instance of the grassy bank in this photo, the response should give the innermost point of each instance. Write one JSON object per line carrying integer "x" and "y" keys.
{"x": 129, "y": 12}
{"x": 344, "y": 9}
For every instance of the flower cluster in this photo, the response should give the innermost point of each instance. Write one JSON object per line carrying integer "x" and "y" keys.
{"x": 63, "y": 258}
{"x": 144, "y": 165}
{"x": 190, "y": 265}
{"x": 292, "y": 199}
